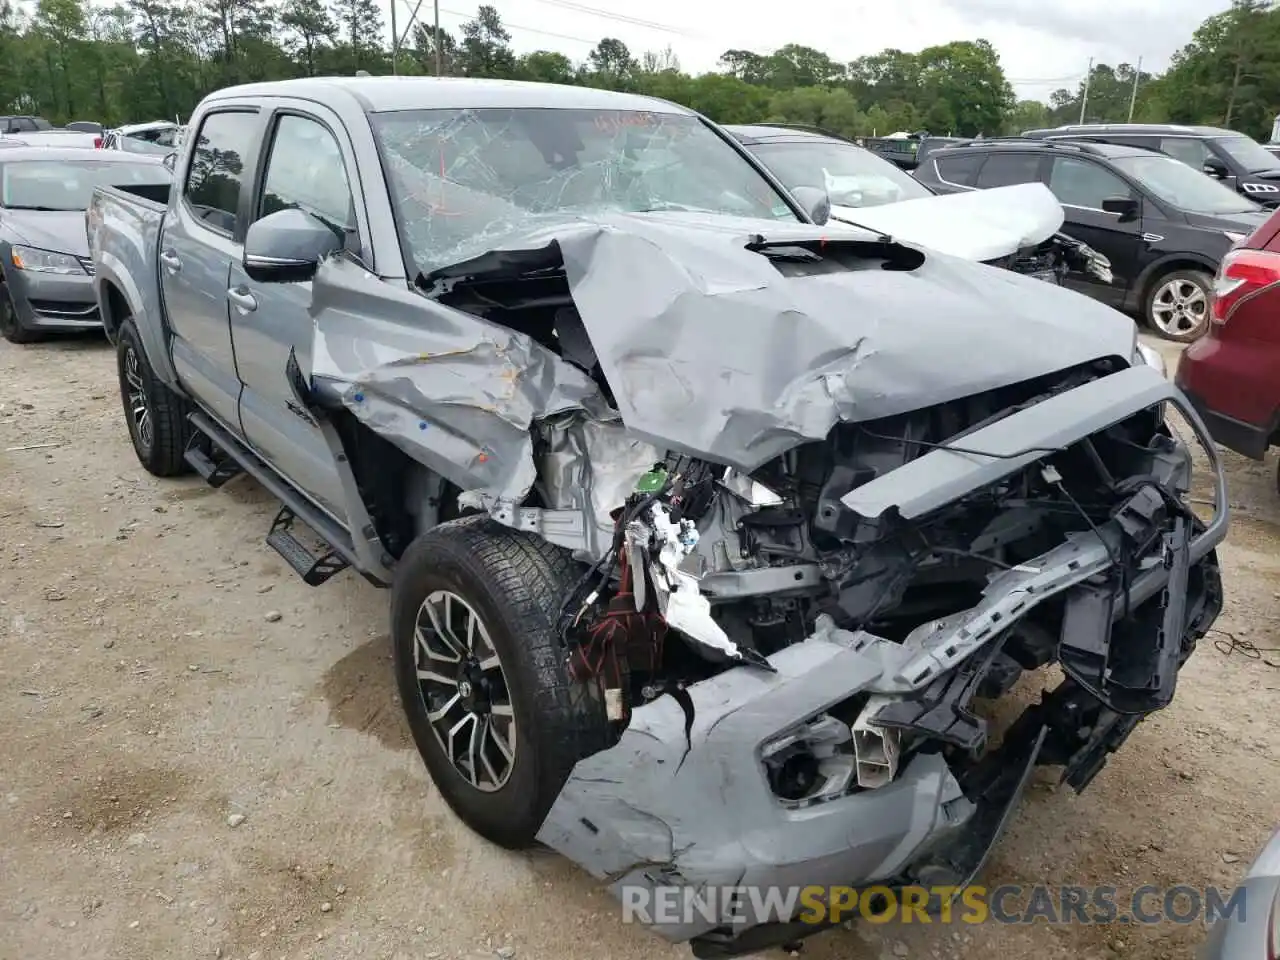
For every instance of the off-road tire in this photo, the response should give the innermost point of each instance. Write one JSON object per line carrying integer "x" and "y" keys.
{"x": 1202, "y": 279}
{"x": 10, "y": 327}
{"x": 516, "y": 582}
{"x": 170, "y": 429}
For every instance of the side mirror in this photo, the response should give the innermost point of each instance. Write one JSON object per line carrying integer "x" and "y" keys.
{"x": 815, "y": 202}
{"x": 1125, "y": 207}
{"x": 1214, "y": 167}
{"x": 170, "y": 161}
{"x": 287, "y": 247}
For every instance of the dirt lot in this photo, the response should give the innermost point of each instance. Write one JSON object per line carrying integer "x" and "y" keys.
{"x": 163, "y": 672}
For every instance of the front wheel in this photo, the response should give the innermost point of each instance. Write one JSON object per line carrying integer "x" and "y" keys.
{"x": 483, "y": 678}
{"x": 156, "y": 416}
{"x": 11, "y": 327}
{"x": 1178, "y": 305}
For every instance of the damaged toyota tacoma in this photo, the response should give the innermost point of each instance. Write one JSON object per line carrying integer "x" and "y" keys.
{"x": 715, "y": 536}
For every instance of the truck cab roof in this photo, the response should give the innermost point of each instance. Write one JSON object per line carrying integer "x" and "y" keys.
{"x": 384, "y": 94}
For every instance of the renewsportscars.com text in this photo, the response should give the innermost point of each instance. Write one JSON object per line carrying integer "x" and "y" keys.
{"x": 1008, "y": 904}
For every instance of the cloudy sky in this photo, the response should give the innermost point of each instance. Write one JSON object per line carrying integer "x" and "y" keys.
{"x": 1043, "y": 44}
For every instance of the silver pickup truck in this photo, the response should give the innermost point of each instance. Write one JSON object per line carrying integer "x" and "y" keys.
{"x": 708, "y": 528}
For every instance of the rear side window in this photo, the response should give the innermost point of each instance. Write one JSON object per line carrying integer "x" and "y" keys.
{"x": 959, "y": 168}
{"x": 305, "y": 170}
{"x": 1006, "y": 169}
{"x": 1191, "y": 152}
{"x": 212, "y": 190}
{"x": 1082, "y": 183}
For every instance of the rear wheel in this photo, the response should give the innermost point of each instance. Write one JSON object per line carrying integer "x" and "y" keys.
{"x": 1178, "y": 305}
{"x": 10, "y": 326}
{"x": 157, "y": 417}
{"x": 482, "y": 676}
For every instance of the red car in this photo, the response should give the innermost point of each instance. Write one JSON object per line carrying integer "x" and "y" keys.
{"x": 1232, "y": 374}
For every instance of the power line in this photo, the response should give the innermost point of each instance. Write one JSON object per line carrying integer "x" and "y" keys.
{"x": 523, "y": 29}
{"x": 620, "y": 17}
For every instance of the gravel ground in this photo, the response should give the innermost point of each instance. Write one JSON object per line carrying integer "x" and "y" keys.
{"x": 206, "y": 757}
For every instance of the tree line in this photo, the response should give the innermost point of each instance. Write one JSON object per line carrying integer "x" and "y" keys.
{"x": 146, "y": 59}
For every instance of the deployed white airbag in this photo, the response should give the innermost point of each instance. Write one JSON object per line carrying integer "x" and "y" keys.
{"x": 976, "y": 225}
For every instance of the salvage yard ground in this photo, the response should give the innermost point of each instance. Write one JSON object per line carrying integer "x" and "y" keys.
{"x": 203, "y": 757}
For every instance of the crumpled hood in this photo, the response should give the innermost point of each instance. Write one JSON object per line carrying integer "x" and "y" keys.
{"x": 976, "y": 225}
{"x": 60, "y": 231}
{"x": 710, "y": 350}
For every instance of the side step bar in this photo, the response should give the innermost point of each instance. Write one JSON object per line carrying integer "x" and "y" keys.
{"x": 296, "y": 508}
{"x": 314, "y": 570}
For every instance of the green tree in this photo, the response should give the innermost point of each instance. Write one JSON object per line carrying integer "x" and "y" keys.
{"x": 360, "y": 26}
{"x": 546, "y": 66}
{"x": 485, "y": 50}
{"x": 309, "y": 29}
{"x": 610, "y": 65}
{"x": 964, "y": 88}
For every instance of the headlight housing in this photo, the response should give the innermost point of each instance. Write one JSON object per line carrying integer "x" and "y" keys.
{"x": 35, "y": 260}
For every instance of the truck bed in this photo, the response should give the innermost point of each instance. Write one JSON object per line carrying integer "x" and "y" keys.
{"x": 123, "y": 226}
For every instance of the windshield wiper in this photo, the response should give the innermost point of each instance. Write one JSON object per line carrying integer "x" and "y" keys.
{"x": 42, "y": 209}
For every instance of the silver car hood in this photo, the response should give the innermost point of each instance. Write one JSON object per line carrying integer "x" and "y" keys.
{"x": 708, "y": 348}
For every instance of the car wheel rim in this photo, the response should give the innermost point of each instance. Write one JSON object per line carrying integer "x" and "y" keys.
{"x": 136, "y": 396}
{"x": 1179, "y": 307}
{"x": 464, "y": 688}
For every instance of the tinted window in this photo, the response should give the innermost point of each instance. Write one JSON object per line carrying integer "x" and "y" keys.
{"x": 1006, "y": 169}
{"x": 305, "y": 170}
{"x": 1247, "y": 152}
{"x": 1182, "y": 187}
{"x": 461, "y": 179}
{"x": 1190, "y": 151}
{"x": 217, "y": 167}
{"x": 959, "y": 168}
{"x": 1082, "y": 183}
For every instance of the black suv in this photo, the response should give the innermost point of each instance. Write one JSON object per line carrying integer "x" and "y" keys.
{"x": 1240, "y": 162}
{"x": 1163, "y": 226}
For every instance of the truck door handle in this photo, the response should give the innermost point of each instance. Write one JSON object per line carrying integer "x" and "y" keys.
{"x": 170, "y": 261}
{"x": 242, "y": 298}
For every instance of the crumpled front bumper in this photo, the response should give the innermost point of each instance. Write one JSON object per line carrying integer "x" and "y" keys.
{"x": 692, "y": 810}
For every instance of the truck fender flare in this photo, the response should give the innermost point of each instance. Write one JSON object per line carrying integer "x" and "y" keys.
{"x": 110, "y": 276}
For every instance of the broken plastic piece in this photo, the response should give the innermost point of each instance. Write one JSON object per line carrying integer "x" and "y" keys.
{"x": 875, "y": 748}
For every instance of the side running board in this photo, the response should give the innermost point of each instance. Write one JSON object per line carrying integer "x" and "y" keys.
{"x": 218, "y": 456}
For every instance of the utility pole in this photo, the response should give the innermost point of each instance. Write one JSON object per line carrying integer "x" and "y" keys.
{"x": 395, "y": 39}
{"x": 1133, "y": 97}
{"x": 1084, "y": 101}
{"x": 436, "y": 42}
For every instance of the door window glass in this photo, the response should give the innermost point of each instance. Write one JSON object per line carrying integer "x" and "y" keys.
{"x": 1081, "y": 183}
{"x": 217, "y": 168}
{"x": 1191, "y": 152}
{"x": 305, "y": 171}
{"x": 1006, "y": 169}
{"x": 959, "y": 168}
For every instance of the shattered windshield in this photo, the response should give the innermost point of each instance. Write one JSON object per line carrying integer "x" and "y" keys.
{"x": 462, "y": 181}
{"x": 852, "y": 176}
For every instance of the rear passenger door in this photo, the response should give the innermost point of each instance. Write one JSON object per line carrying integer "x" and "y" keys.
{"x": 1081, "y": 184}
{"x": 202, "y": 236}
{"x": 305, "y": 166}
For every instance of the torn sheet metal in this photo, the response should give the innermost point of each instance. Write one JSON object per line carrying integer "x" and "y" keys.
{"x": 638, "y": 813}
{"x": 976, "y": 225}
{"x": 710, "y": 350}
{"x": 455, "y": 392}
